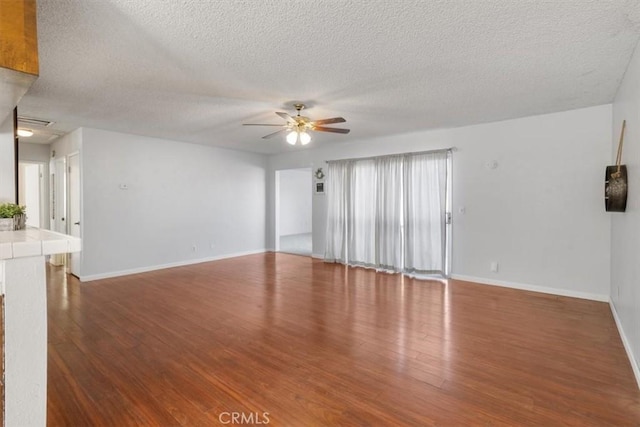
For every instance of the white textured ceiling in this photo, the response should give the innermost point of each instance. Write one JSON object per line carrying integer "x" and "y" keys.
{"x": 195, "y": 70}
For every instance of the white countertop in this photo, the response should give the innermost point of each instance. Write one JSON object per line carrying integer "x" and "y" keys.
{"x": 35, "y": 242}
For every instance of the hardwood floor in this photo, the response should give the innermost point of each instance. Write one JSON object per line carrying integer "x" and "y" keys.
{"x": 315, "y": 344}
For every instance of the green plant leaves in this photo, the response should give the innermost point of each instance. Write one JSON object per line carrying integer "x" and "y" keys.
{"x": 9, "y": 210}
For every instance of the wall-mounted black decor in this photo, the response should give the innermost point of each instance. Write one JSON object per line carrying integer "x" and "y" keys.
{"x": 615, "y": 181}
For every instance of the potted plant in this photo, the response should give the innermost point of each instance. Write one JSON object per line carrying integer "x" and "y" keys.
{"x": 12, "y": 217}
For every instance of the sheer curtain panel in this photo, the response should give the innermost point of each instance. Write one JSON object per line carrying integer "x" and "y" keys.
{"x": 388, "y": 212}
{"x": 337, "y": 196}
{"x": 361, "y": 213}
{"x": 425, "y": 178}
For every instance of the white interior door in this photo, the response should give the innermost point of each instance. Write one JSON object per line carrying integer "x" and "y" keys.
{"x": 74, "y": 225}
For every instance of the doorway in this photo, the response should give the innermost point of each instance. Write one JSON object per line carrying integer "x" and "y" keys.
{"x": 32, "y": 192}
{"x": 294, "y": 211}
{"x": 58, "y": 202}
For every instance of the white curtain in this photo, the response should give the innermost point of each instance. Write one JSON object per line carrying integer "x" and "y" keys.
{"x": 425, "y": 178}
{"x": 388, "y": 212}
{"x": 361, "y": 213}
{"x": 388, "y": 233}
{"x": 337, "y": 192}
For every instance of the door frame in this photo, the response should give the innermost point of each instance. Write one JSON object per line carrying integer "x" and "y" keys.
{"x": 277, "y": 198}
{"x": 58, "y": 194}
{"x": 74, "y": 259}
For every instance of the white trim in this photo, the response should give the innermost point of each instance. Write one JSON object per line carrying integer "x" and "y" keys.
{"x": 99, "y": 276}
{"x": 534, "y": 288}
{"x": 626, "y": 343}
{"x": 317, "y": 256}
{"x": 69, "y": 224}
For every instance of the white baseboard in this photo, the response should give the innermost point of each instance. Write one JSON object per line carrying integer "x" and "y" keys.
{"x": 533, "y": 288}
{"x": 317, "y": 256}
{"x": 626, "y": 343}
{"x": 108, "y": 275}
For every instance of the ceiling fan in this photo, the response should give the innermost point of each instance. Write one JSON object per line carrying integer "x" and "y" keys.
{"x": 299, "y": 126}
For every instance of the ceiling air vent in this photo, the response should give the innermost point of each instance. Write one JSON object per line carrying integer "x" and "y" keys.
{"x": 30, "y": 121}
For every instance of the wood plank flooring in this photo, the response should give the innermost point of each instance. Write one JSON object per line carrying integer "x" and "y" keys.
{"x": 290, "y": 341}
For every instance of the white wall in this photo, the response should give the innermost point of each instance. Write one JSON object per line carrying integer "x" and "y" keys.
{"x": 66, "y": 144}
{"x": 39, "y": 153}
{"x": 295, "y": 201}
{"x": 179, "y": 196}
{"x": 34, "y": 152}
{"x": 7, "y": 160}
{"x": 540, "y": 214}
{"x": 625, "y": 227}
{"x": 29, "y": 192}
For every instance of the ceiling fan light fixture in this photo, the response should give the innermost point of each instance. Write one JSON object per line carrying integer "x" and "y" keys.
{"x": 292, "y": 137}
{"x": 298, "y": 128}
{"x": 305, "y": 138}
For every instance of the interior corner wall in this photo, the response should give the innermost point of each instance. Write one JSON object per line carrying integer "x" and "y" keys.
{"x": 7, "y": 159}
{"x": 540, "y": 213}
{"x": 150, "y": 203}
{"x": 625, "y": 227}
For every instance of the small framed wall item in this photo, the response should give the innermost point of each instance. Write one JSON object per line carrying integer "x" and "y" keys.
{"x": 319, "y": 181}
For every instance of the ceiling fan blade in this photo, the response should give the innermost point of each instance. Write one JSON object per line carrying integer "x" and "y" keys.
{"x": 271, "y": 135}
{"x": 334, "y": 130}
{"x": 329, "y": 121}
{"x": 259, "y": 124}
{"x": 287, "y": 117}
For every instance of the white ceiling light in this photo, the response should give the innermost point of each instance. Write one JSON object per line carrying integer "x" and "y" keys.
{"x": 292, "y": 137}
{"x": 305, "y": 138}
{"x": 26, "y": 133}
{"x": 296, "y": 135}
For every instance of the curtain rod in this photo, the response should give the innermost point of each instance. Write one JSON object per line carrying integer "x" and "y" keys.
{"x": 442, "y": 150}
